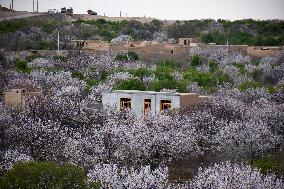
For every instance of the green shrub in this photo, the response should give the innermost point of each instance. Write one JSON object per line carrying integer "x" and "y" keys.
{"x": 213, "y": 37}
{"x": 202, "y": 79}
{"x": 127, "y": 56}
{"x": 48, "y": 26}
{"x": 33, "y": 56}
{"x": 169, "y": 63}
{"x": 255, "y": 62}
{"x": 259, "y": 76}
{"x": 249, "y": 85}
{"x": 213, "y": 65}
{"x": 209, "y": 89}
{"x": 163, "y": 73}
{"x": 241, "y": 68}
{"x": 272, "y": 90}
{"x": 90, "y": 83}
{"x": 78, "y": 74}
{"x": 120, "y": 69}
{"x": 12, "y": 25}
{"x": 266, "y": 165}
{"x": 44, "y": 45}
{"x": 94, "y": 185}
{"x": 132, "y": 55}
{"x": 23, "y": 43}
{"x": 37, "y": 175}
{"x": 101, "y": 22}
{"x": 180, "y": 86}
{"x": 121, "y": 57}
{"x": 195, "y": 61}
{"x": 59, "y": 58}
{"x": 104, "y": 75}
{"x": 207, "y": 80}
{"x": 165, "y": 67}
{"x": 22, "y": 66}
{"x": 132, "y": 84}
{"x": 221, "y": 77}
{"x": 141, "y": 73}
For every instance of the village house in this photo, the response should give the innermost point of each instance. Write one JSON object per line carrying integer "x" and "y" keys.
{"x": 18, "y": 97}
{"x": 148, "y": 102}
{"x": 154, "y": 50}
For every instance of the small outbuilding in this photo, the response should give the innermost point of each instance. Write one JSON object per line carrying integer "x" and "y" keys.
{"x": 18, "y": 97}
{"x": 148, "y": 102}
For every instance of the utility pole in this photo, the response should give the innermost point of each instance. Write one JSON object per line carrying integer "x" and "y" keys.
{"x": 58, "y": 42}
{"x": 33, "y": 5}
{"x": 227, "y": 44}
{"x": 37, "y": 5}
{"x": 12, "y": 4}
{"x": 120, "y": 14}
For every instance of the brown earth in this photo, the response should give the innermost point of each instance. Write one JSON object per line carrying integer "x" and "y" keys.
{"x": 6, "y": 14}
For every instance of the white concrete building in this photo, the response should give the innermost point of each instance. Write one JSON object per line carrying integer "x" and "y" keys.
{"x": 148, "y": 102}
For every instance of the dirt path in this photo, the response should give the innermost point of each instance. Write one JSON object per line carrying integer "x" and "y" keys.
{"x": 28, "y": 15}
{"x": 95, "y": 17}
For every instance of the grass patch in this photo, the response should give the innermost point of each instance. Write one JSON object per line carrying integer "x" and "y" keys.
{"x": 33, "y": 57}
{"x": 130, "y": 56}
{"x": 59, "y": 58}
{"x": 22, "y": 66}
{"x": 266, "y": 165}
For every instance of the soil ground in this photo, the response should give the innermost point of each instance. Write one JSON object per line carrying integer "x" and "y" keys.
{"x": 6, "y": 14}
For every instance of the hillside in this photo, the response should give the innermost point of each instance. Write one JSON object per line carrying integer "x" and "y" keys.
{"x": 40, "y": 32}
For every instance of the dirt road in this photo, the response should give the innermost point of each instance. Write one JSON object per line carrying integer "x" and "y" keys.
{"x": 19, "y": 17}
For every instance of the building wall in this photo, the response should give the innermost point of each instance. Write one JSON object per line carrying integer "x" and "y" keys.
{"x": 17, "y": 97}
{"x": 137, "y": 101}
{"x": 96, "y": 45}
{"x": 189, "y": 41}
{"x": 188, "y": 99}
{"x": 260, "y": 51}
{"x": 238, "y": 48}
{"x": 13, "y": 98}
{"x": 181, "y": 50}
{"x": 175, "y": 101}
{"x": 153, "y": 50}
{"x": 109, "y": 100}
{"x": 112, "y": 100}
{"x": 178, "y": 100}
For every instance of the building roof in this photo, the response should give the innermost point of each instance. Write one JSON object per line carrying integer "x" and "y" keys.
{"x": 149, "y": 92}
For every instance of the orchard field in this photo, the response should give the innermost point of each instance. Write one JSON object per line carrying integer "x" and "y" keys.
{"x": 59, "y": 140}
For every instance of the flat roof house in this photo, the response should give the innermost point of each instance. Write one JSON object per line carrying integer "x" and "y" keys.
{"x": 17, "y": 97}
{"x": 148, "y": 102}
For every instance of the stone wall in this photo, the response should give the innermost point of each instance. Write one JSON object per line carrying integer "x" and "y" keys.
{"x": 260, "y": 51}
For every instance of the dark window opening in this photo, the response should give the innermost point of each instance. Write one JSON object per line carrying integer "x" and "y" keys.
{"x": 165, "y": 105}
{"x": 125, "y": 103}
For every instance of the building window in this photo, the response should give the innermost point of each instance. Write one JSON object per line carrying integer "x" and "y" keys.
{"x": 125, "y": 103}
{"x": 165, "y": 105}
{"x": 147, "y": 106}
{"x": 172, "y": 51}
{"x": 184, "y": 42}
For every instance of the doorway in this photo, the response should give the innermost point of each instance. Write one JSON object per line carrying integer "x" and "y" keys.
{"x": 147, "y": 106}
